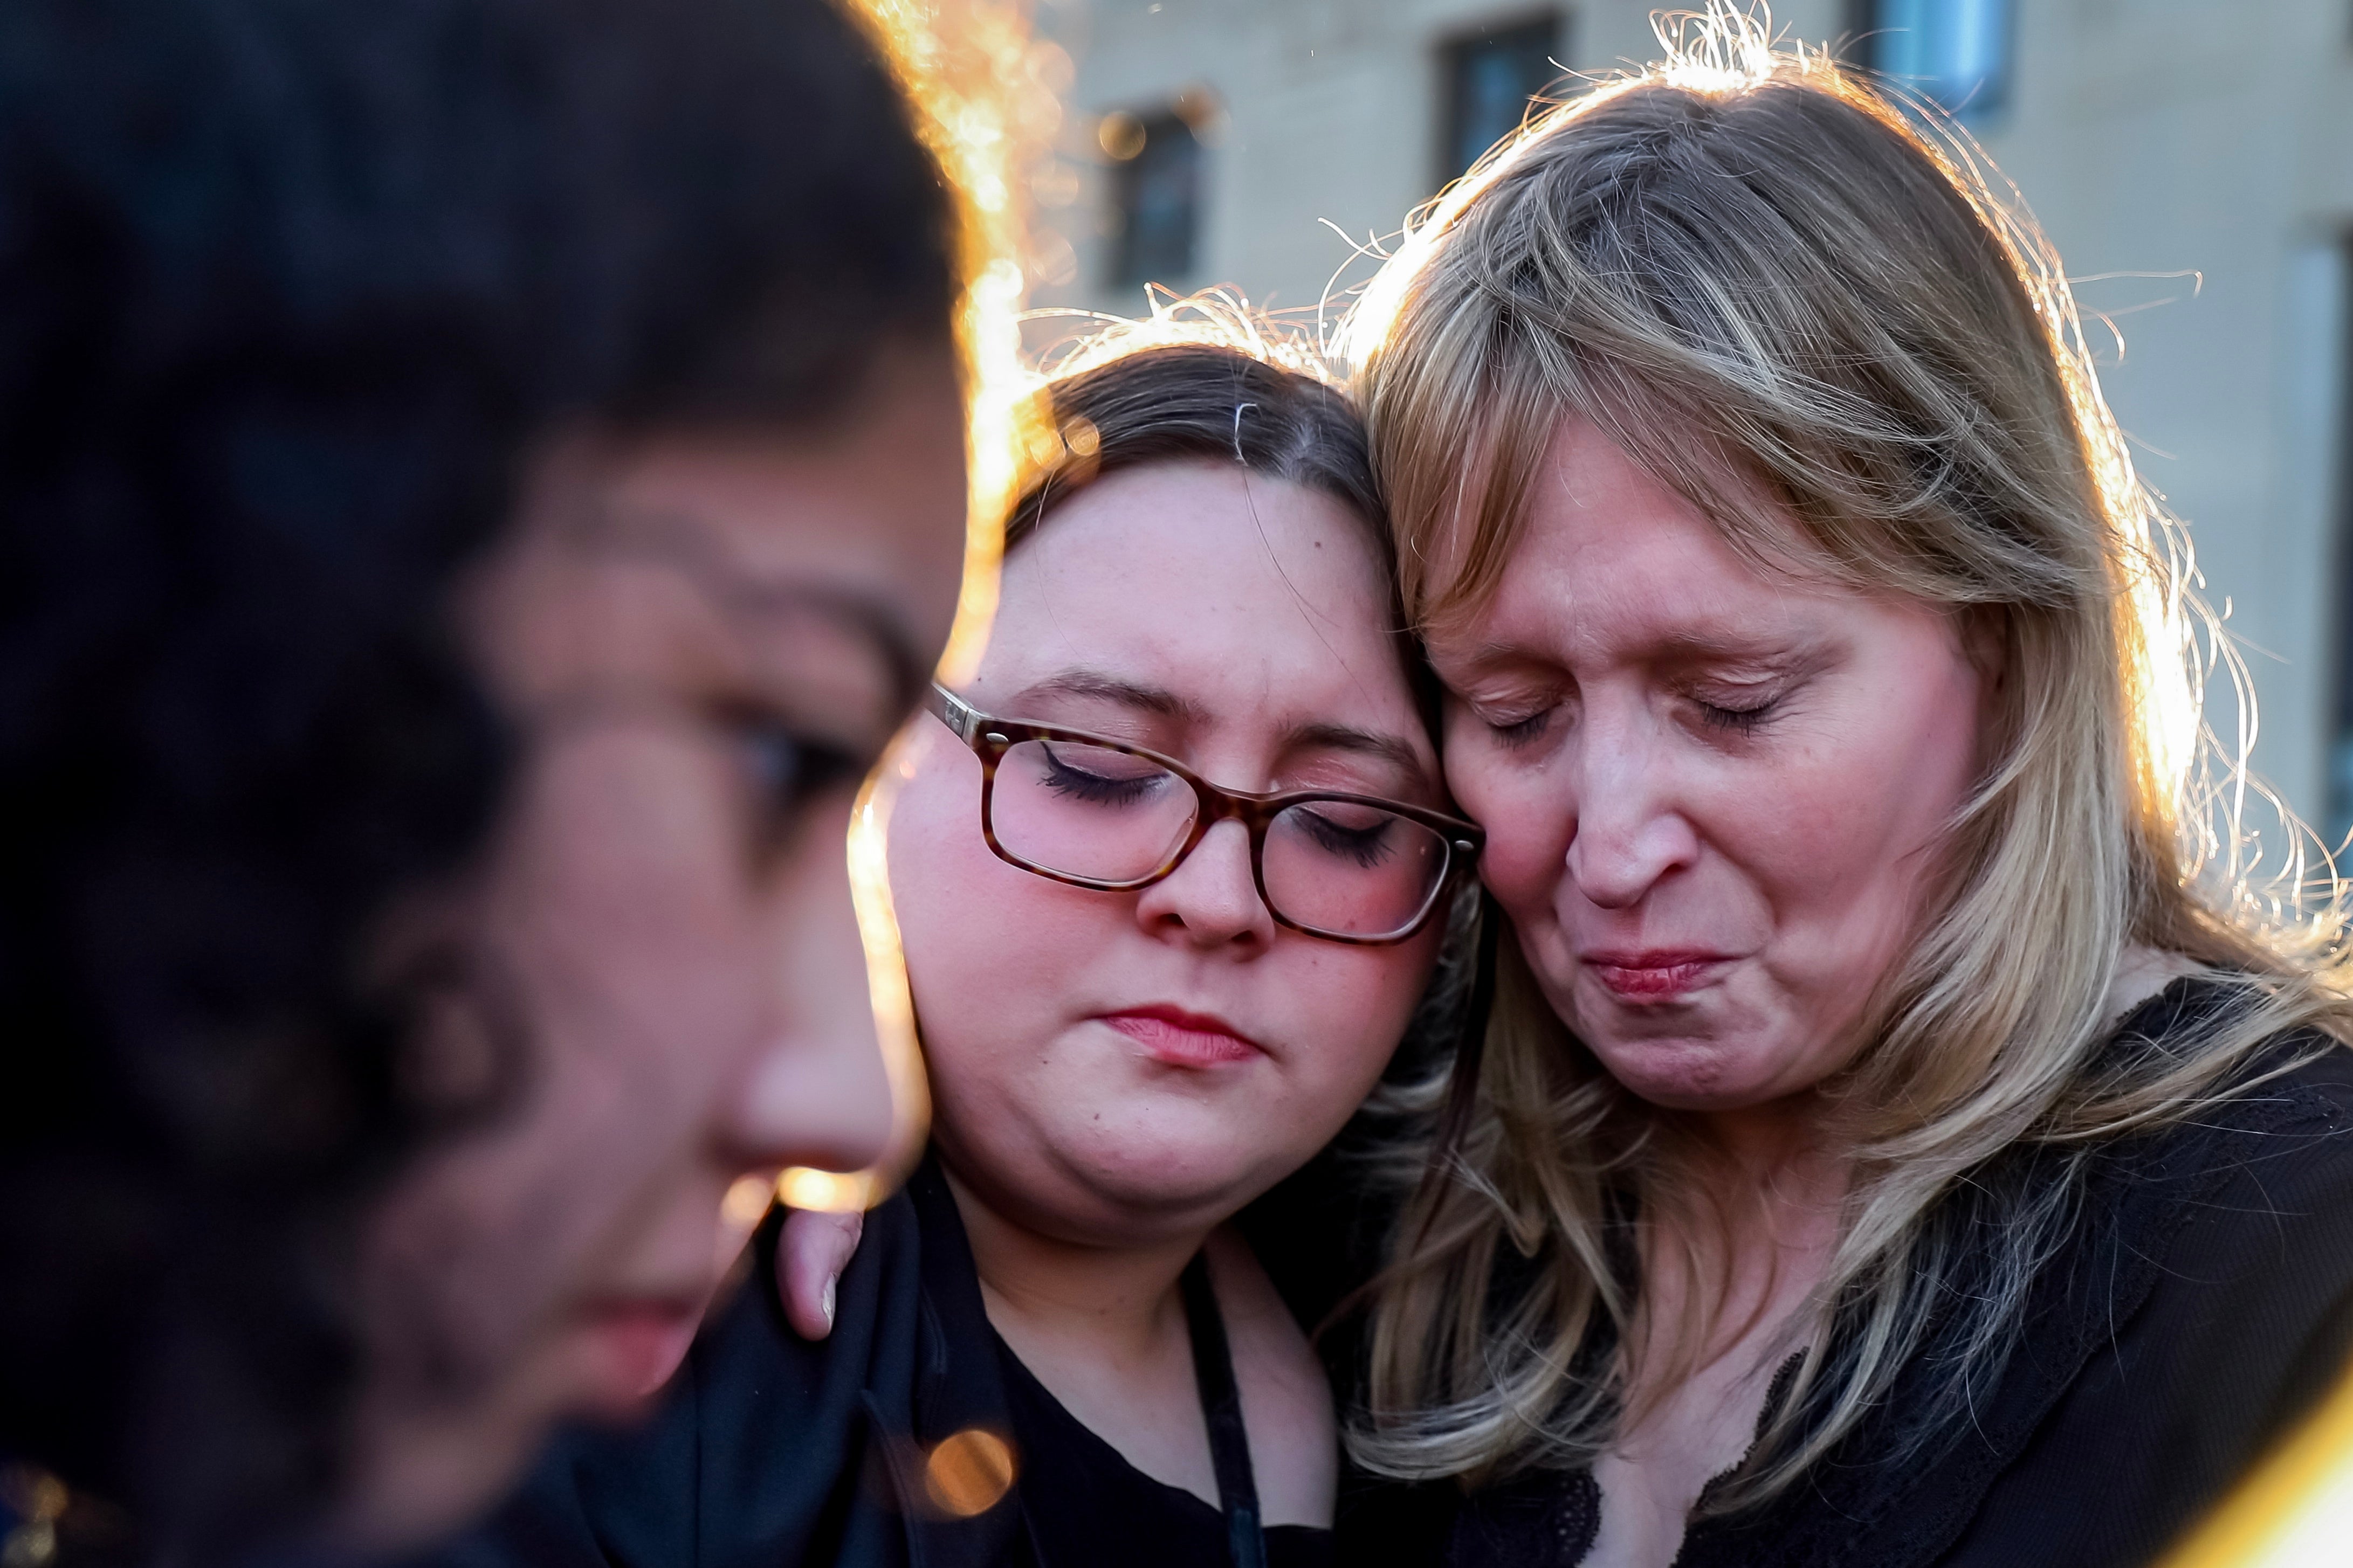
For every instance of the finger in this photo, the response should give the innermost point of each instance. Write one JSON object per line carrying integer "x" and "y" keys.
{"x": 810, "y": 1256}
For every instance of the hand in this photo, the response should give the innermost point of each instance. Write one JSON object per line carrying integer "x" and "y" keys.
{"x": 811, "y": 1253}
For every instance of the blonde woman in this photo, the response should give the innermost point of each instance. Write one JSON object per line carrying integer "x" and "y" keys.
{"x": 1886, "y": 1147}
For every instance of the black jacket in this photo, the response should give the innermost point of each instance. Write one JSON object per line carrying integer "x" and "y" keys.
{"x": 769, "y": 1451}
{"x": 2202, "y": 1300}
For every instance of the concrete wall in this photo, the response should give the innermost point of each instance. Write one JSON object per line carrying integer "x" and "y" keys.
{"x": 2206, "y": 137}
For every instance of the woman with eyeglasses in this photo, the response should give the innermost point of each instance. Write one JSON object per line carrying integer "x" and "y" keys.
{"x": 1172, "y": 872}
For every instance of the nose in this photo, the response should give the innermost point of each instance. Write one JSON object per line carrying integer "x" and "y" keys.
{"x": 815, "y": 1092}
{"x": 1210, "y": 900}
{"x": 1628, "y": 833}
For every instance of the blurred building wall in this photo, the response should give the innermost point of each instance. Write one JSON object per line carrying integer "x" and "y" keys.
{"x": 2207, "y": 143}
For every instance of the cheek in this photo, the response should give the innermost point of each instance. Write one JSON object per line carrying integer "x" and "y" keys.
{"x": 1353, "y": 1004}
{"x": 1528, "y": 816}
{"x": 992, "y": 951}
{"x": 1848, "y": 836}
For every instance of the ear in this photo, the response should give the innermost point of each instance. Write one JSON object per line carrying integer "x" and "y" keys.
{"x": 1984, "y": 634}
{"x": 1983, "y": 631}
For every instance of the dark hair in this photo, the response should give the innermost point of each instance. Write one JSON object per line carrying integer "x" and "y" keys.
{"x": 1201, "y": 403}
{"x": 286, "y": 292}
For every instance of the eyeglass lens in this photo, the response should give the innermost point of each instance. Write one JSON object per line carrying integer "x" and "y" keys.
{"x": 1105, "y": 815}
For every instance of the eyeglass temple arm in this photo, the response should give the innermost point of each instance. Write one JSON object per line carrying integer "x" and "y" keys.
{"x": 951, "y": 711}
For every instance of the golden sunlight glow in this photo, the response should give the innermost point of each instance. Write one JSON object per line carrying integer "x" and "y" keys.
{"x": 2295, "y": 1511}
{"x": 1724, "y": 48}
{"x": 2172, "y": 690}
{"x": 893, "y": 1004}
{"x": 987, "y": 99}
{"x": 985, "y": 105}
{"x": 745, "y": 1204}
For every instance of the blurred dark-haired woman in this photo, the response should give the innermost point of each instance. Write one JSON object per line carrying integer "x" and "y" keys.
{"x": 480, "y": 481}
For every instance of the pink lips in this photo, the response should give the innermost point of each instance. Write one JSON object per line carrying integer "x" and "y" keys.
{"x": 1178, "y": 1039}
{"x": 1655, "y": 975}
{"x": 638, "y": 1344}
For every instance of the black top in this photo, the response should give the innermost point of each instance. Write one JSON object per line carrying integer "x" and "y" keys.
{"x": 2202, "y": 1302}
{"x": 1105, "y": 1509}
{"x": 769, "y": 1451}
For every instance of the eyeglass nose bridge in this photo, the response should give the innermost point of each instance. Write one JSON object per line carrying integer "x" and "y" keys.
{"x": 1257, "y": 815}
{"x": 1219, "y": 805}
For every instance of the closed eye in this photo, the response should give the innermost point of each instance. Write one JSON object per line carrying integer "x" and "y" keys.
{"x": 1522, "y": 731}
{"x": 1065, "y": 777}
{"x": 1366, "y": 845}
{"x": 1738, "y": 721}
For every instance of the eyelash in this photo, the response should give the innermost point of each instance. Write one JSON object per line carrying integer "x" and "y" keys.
{"x": 1522, "y": 732}
{"x": 1738, "y": 721}
{"x": 1062, "y": 778}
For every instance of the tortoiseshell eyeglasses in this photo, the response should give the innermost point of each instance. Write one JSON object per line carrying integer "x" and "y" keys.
{"x": 1097, "y": 812}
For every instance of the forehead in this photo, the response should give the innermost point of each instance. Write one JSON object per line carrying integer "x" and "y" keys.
{"x": 1609, "y": 559}
{"x": 828, "y": 561}
{"x": 1236, "y": 589}
{"x": 874, "y": 505}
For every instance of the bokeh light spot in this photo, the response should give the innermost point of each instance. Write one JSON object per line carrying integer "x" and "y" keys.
{"x": 968, "y": 1472}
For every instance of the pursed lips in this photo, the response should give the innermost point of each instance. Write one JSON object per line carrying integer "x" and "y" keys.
{"x": 1654, "y": 974}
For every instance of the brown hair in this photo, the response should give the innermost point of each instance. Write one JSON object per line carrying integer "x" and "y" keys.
{"x": 1196, "y": 402}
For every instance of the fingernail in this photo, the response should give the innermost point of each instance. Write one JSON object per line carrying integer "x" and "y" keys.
{"x": 828, "y": 1303}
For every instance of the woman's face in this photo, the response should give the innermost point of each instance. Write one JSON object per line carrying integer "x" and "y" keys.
{"x": 1713, "y": 793}
{"x": 702, "y": 644}
{"x": 1108, "y": 1067}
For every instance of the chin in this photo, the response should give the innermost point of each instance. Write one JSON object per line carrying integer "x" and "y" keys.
{"x": 1678, "y": 1075}
{"x": 1161, "y": 1178}
{"x": 1135, "y": 1173}
{"x": 436, "y": 1484}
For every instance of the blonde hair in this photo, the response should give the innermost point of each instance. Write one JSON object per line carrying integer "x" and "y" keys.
{"x": 1788, "y": 295}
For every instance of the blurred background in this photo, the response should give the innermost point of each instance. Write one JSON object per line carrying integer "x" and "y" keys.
{"x": 2192, "y": 160}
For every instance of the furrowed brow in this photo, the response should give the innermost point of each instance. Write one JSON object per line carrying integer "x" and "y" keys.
{"x": 1699, "y": 649}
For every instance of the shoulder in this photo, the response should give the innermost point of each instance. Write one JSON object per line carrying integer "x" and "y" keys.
{"x": 755, "y": 1444}
{"x": 2213, "y": 1303}
{"x": 1294, "y": 1436}
{"x": 2238, "y": 1212}
{"x": 2265, "y": 1193}
{"x": 2283, "y": 1120}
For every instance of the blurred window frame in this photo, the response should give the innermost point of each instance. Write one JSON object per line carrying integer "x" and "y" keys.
{"x": 1517, "y": 53}
{"x": 2338, "y": 785}
{"x": 1158, "y": 182}
{"x": 1960, "y": 55}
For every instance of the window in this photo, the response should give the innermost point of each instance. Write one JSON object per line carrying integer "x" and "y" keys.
{"x": 1490, "y": 79}
{"x": 1955, "y": 52}
{"x": 1156, "y": 195}
{"x": 2330, "y": 291}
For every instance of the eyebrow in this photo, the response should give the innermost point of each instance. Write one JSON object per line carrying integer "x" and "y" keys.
{"x": 1700, "y": 648}
{"x": 1164, "y": 703}
{"x": 1088, "y": 683}
{"x": 867, "y": 616}
{"x": 1685, "y": 648}
{"x": 1365, "y": 742}
{"x": 686, "y": 546}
